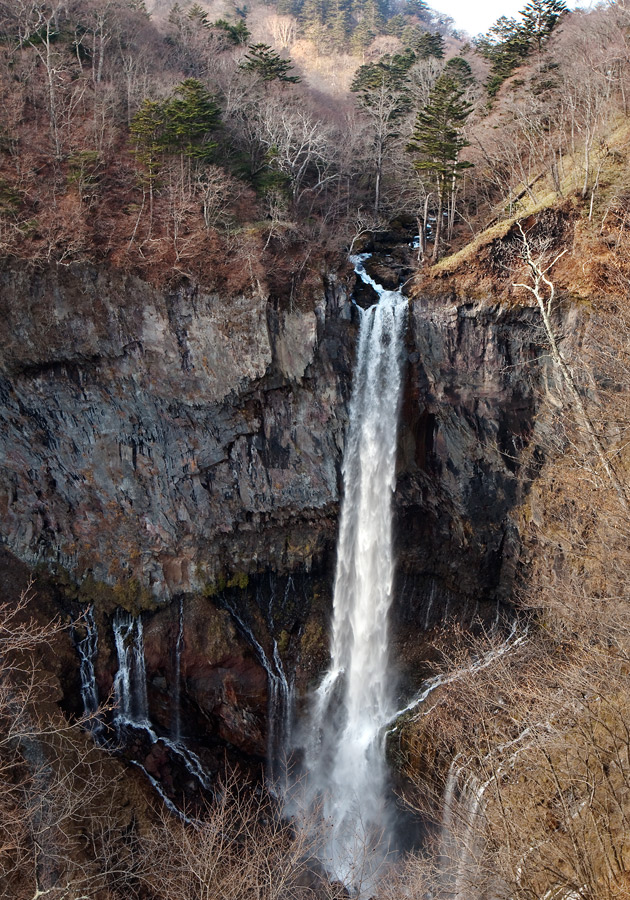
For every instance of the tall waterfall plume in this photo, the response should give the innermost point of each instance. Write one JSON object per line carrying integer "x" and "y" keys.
{"x": 344, "y": 755}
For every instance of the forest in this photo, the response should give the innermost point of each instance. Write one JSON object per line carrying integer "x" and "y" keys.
{"x": 246, "y": 151}
{"x": 154, "y": 142}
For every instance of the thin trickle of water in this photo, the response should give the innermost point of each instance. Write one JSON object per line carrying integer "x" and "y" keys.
{"x": 427, "y": 617}
{"x": 511, "y": 642}
{"x": 345, "y": 753}
{"x": 186, "y": 756}
{"x": 177, "y": 675}
{"x": 279, "y": 697}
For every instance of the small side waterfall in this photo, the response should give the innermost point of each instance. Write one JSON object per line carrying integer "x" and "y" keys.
{"x": 460, "y": 846}
{"x": 279, "y": 696}
{"x": 87, "y": 648}
{"x": 130, "y": 692}
{"x": 130, "y": 683}
{"x": 345, "y": 754}
{"x": 131, "y": 708}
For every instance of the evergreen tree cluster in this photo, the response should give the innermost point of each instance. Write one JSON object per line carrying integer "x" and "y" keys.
{"x": 195, "y": 19}
{"x": 511, "y": 41}
{"x": 181, "y": 124}
{"x": 351, "y": 25}
{"x": 437, "y": 137}
{"x": 263, "y": 61}
{"x": 336, "y": 26}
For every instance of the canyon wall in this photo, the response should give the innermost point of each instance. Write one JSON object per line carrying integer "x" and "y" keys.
{"x": 169, "y": 444}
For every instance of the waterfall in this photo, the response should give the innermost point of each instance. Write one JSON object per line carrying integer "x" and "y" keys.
{"x": 130, "y": 692}
{"x": 131, "y": 708}
{"x": 460, "y": 845}
{"x": 130, "y": 682}
{"x": 344, "y": 755}
{"x": 281, "y": 696}
{"x": 87, "y": 648}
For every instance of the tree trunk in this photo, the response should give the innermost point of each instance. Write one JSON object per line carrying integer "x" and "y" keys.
{"x": 438, "y": 224}
{"x": 377, "y": 185}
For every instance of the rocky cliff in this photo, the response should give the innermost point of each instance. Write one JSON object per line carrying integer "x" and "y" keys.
{"x": 168, "y": 444}
{"x": 141, "y": 428}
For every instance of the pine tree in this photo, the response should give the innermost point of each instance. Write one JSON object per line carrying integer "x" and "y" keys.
{"x": 437, "y": 139}
{"x": 189, "y": 117}
{"x": 147, "y": 129}
{"x": 506, "y": 45}
{"x": 417, "y": 8}
{"x": 236, "y": 34}
{"x": 383, "y": 97}
{"x": 540, "y": 17}
{"x": 362, "y": 37}
{"x": 313, "y": 18}
{"x": 198, "y": 16}
{"x": 263, "y": 61}
{"x": 459, "y": 70}
{"x": 396, "y": 25}
{"x": 509, "y": 42}
{"x": 372, "y": 15}
{"x": 425, "y": 44}
{"x": 338, "y": 20}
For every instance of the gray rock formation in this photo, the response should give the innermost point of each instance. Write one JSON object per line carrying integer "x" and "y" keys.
{"x": 176, "y": 442}
{"x": 163, "y": 436}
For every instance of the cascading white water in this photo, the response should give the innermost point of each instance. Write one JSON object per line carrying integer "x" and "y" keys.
{"x": 130, "y": 692}
{"x": 87, "y": 648}
{"x": 460, "y": 846}
{"x": 345, "y": 753}
{"x": 130, "y": 683}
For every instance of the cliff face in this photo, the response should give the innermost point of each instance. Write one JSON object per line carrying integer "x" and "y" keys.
{"x": 140, "y": 429}
{"x": 179, "y": 443}
{"x": 476, "y": 375}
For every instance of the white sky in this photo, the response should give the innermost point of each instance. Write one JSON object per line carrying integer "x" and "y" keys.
{"x": 476, "y": 16}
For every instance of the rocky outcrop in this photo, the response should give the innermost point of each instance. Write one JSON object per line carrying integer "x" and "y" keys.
{"x": 161, "y": 444}
{"x": 474, "y": 383}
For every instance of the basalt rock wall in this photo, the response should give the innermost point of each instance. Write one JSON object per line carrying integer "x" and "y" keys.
{"x": 470, "y": 436}
{"x": 163, "y": 436}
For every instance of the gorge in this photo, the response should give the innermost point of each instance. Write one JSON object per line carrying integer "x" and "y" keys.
{"x": 201, "y": 535}
{"x": 208, "y": 632}
{"x": 314, "y": 471}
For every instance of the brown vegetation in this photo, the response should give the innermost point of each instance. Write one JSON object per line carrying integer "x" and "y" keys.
{"x": 525, "y": 765}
